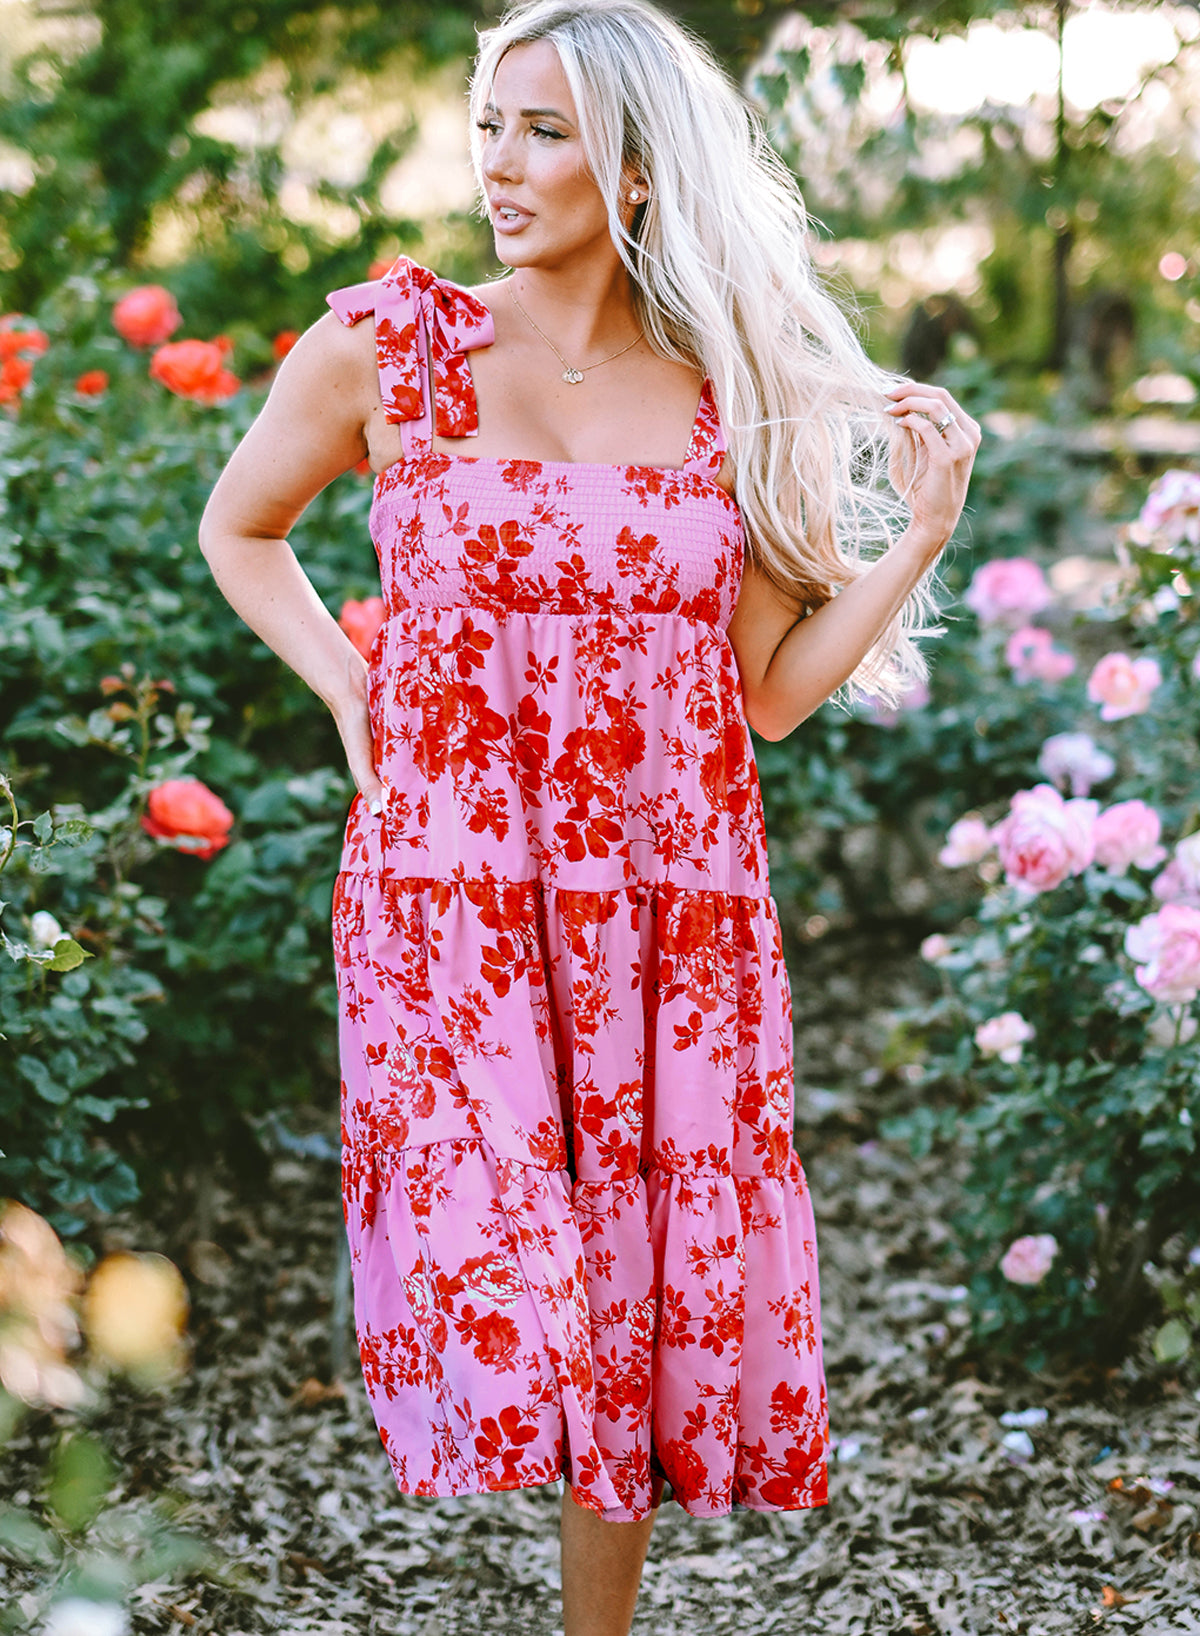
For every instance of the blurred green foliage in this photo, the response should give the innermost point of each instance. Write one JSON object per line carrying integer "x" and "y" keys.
{"x": 121, "y": 168}
{"x": 210, "y": 994}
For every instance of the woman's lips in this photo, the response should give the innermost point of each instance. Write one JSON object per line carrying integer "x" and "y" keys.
{"x": 509, "y": 218}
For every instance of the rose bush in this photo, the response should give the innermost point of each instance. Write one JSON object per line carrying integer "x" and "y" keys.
{"x": 1082, "y": 1131}
{"x": 206, "y": 998}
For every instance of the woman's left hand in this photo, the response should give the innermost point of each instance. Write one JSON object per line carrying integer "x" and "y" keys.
{"x": 932, "y": 474}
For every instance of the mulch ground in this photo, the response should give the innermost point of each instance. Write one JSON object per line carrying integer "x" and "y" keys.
{"x": 1086, "y": 1518}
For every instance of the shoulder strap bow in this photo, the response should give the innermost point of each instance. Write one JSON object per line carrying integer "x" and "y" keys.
{"x": 418, "y": 316}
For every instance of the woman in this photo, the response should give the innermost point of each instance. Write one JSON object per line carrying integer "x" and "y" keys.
{"x": 629, "y": 499}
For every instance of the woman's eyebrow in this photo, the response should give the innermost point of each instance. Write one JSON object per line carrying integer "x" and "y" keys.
{"x": 531, "y": 113}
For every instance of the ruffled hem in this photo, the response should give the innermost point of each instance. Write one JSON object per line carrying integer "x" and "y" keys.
{"x": 516, "y": 1326}
{"x": 582, "y": 1243}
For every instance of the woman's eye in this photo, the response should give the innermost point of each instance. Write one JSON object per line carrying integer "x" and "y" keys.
{"x": 545, "y": 130}
{"x": 488, "y": 125}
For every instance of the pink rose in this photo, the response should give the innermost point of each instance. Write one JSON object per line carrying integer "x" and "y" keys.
{"x": 1034, "y": 658}
{"x": 1122, "y": 686}
{"x": 1128, "y": 833}
{"x": 146, "y": 316}
{"x": 187, "y": 813}
{"x": 936, "y": 947}
{"x": 967, "y": 841}
{"x": 1008, "y": 591}
{"x": 1072, "y": 761}
{"x": 1004, "y": 1036}
{"x": 1027, "y": 1260}
{"x": 1173, "y": 507}
{"x": 1180, "y": 880}
{"x": 1168, "y": 944}
{"x": 362, "y": 621}
{"x": 884, "y": 714}
{"x": 1044, "y": 838}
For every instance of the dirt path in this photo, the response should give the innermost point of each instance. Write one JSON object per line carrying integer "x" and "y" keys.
{"x": 934, "y": 1525}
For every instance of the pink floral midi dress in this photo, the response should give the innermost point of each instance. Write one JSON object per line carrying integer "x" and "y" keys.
{"x": 582, "y": 1244}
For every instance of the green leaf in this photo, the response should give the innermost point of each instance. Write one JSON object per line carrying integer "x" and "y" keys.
{"x": 74, "y": 830}
{"x": 43, "y": 827}
{"x": 39, "y": 1076}
{"x": 80, "y": 1477}
{"x": 67, "y": 955}
{"x": 25, "y": 1537}
{"x": 1172, "y": 1342}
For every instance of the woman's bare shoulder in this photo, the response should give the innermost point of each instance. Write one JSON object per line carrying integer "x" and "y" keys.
{"x": 334, "y": 347}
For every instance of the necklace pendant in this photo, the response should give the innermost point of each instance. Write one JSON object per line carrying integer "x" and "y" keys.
{"x": 573, "y": 376}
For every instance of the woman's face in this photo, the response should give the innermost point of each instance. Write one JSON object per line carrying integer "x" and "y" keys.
{"x": 544, "y": 205}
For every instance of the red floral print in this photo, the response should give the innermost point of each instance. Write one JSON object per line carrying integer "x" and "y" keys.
{"x": 582, "y": 1242}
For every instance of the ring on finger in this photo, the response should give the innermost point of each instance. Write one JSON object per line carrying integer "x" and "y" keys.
{"x": 945, "y": 422}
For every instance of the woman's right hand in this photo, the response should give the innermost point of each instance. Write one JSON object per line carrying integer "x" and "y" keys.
{"x": 354, "y": 726}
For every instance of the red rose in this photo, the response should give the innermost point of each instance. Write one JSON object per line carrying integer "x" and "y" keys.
{"x": 185, "y": 811}
{"x": 283, "y": 343}
{"x": 361, "y": 622}
{"x": 91, "y": 383}
{"x": 194, "y": 369}
{"x": 16, "y": 342}
{"x": 15, "y": 374}
{"x": 146, "y": 316}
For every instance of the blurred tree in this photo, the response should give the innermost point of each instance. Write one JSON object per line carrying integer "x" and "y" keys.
{"x": 124, "y": 162}
{"x": 1072, "y": 196}
{"x": 112, "y": 131}
{"x": 112, "y": 136}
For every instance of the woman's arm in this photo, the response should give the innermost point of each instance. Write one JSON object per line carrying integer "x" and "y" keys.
{"x": 310, "y": 430}
{"x": 790, "y": 664}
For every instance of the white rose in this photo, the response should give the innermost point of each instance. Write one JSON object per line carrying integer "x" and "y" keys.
{"x": 44, "y": 930}
{"x": 1003, "y": 1036}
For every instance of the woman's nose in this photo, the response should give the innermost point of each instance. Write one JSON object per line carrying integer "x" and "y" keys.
{"x": 500, "y": 158}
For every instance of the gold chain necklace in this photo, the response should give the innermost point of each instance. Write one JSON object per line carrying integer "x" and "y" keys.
{"x": 570, "y": 374}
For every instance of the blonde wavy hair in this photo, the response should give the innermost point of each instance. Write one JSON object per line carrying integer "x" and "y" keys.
{"x": 723, "y": 278}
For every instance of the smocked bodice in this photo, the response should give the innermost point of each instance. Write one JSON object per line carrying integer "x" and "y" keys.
{"x": 553, "y": 693}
